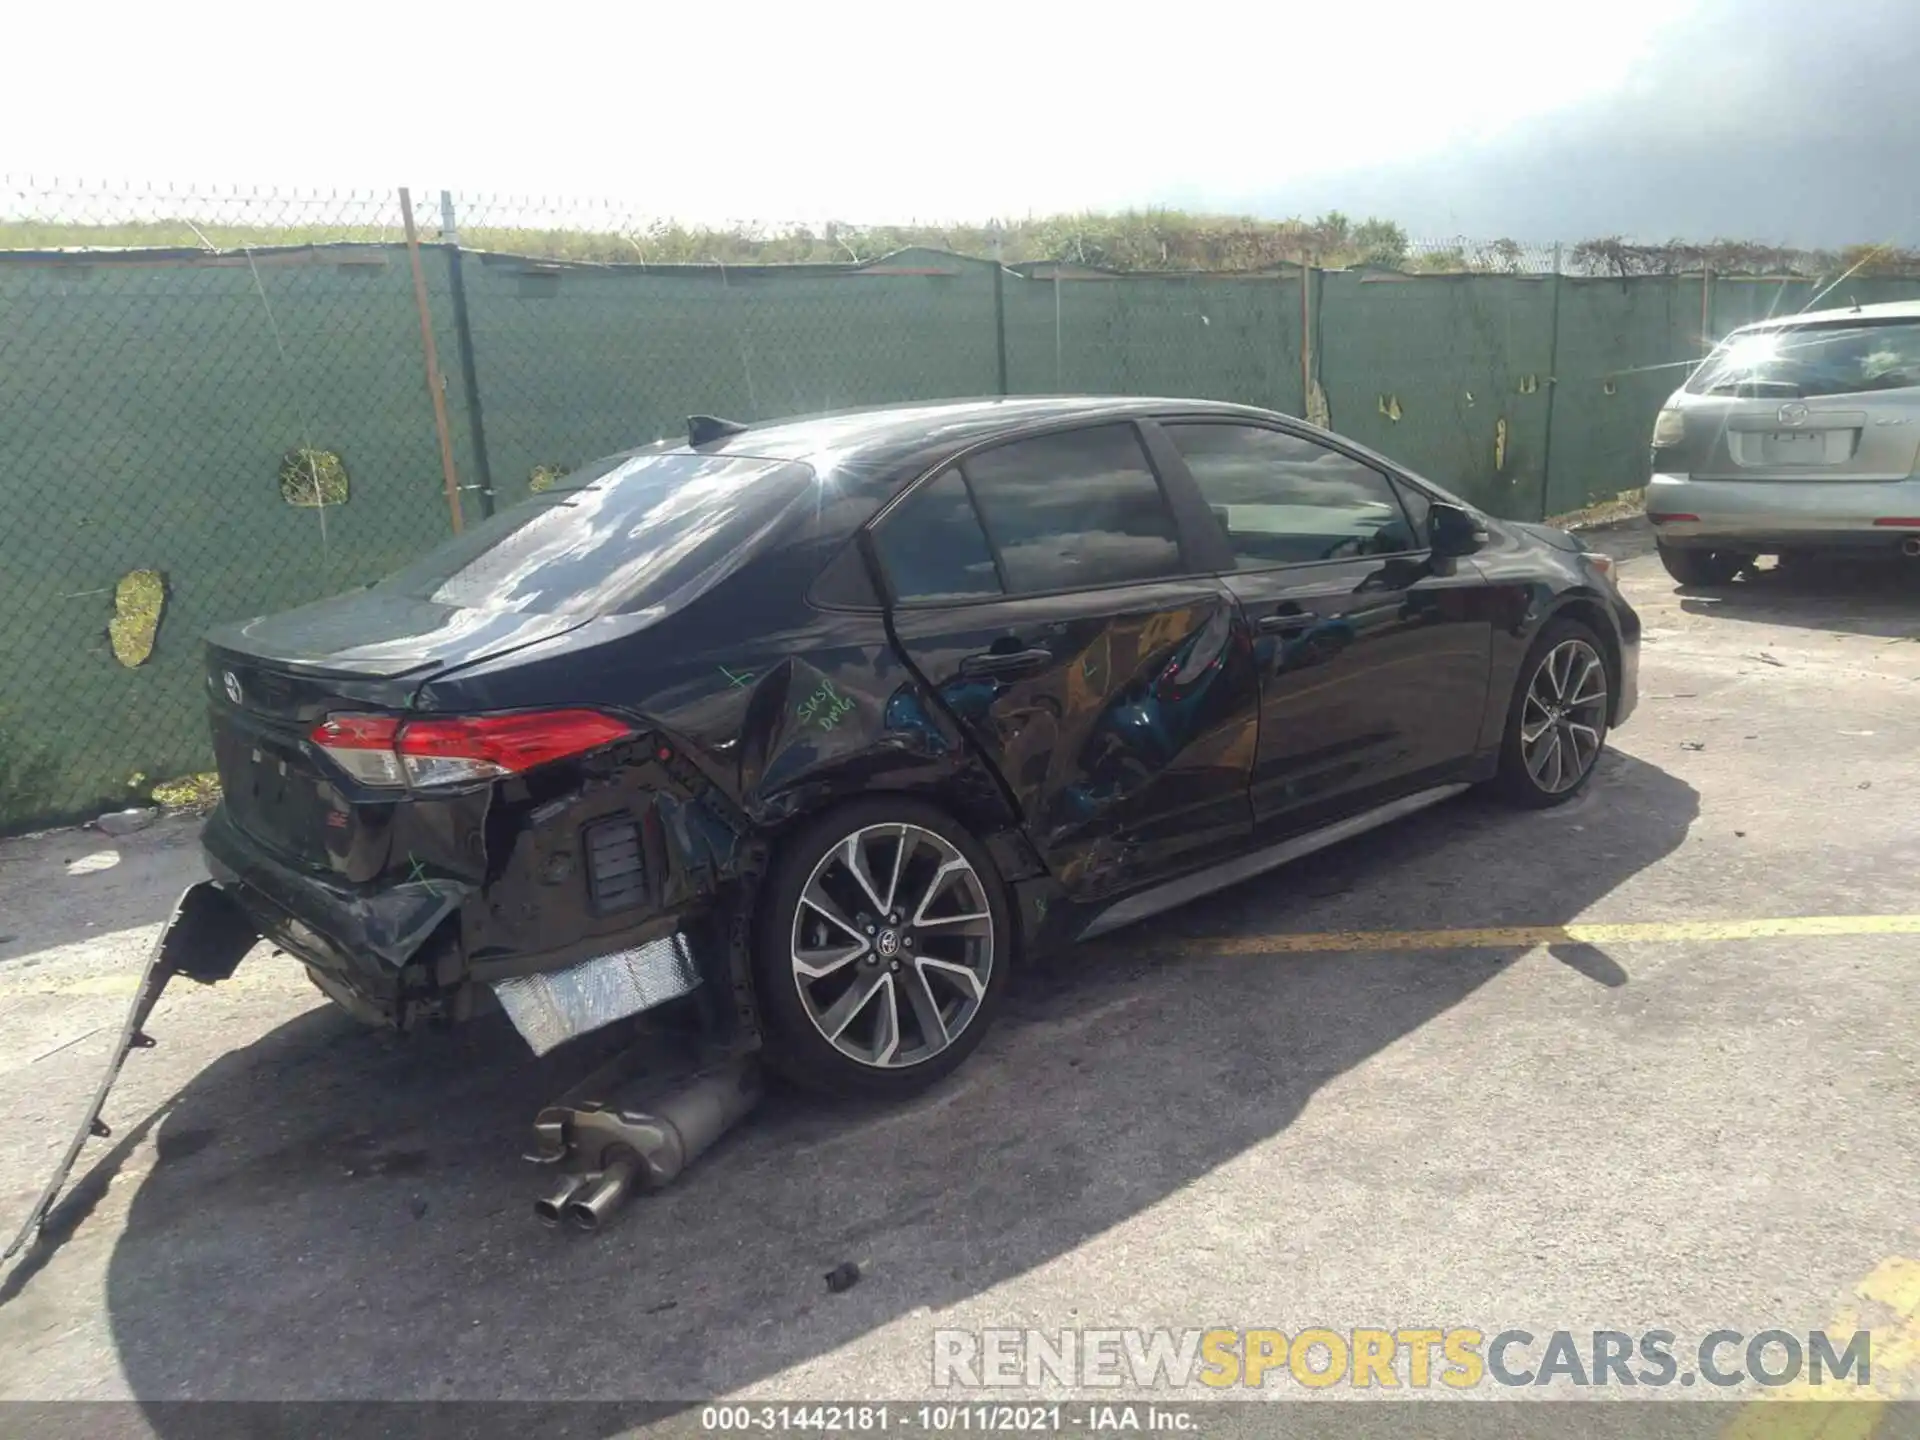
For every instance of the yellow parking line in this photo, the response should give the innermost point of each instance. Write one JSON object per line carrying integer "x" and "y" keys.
{"x": 1505, "y": 936}
{"x": 1895, "y": 1283}
{"x": 1892, "y": 1313}
{"x": 1499, "y": 937}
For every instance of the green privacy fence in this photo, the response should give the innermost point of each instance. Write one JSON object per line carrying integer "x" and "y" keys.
{"x": 574, "y": 362}
{"x": 1449, "y": 374}
{"x": 148, "y": 403}
{"x": 194, "y": 436}
{"x": 1225, "y": 337}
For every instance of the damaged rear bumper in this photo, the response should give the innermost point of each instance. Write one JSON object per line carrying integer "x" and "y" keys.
{"x": 398, "y": 955}
{"x": 361, "y": 946}
{"x": 204, "y": 939}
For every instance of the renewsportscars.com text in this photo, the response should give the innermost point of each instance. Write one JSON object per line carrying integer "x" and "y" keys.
{"x": 1416, "y": 1358}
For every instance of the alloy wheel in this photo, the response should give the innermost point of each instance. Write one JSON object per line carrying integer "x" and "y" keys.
{"x": 1564, "y": 719}
{"x": 892, "y": 945}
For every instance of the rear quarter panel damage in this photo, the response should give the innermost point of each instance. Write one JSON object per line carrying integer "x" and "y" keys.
{"x": 737, "y": 743}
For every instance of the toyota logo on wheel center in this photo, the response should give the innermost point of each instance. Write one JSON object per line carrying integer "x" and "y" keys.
{"x": 887, "y": 943}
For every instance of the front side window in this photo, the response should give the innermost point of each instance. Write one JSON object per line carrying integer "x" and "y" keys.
{"x": 933, "y": 547}
{"x": 1287, "y": 500}
{"x": 1074, "y": 510}
{"x": 1419, "y": 507}
{"x": 1806, "y": 360}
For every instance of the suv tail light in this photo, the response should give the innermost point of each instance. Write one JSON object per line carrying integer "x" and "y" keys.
{"x": 386, "y": 750}
{"x": 1669, "y": 428}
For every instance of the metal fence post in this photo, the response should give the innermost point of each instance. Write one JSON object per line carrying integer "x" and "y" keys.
{"x": 1553, "y": 388}
{"x": 1306, "y": 340}
{"x": 436, "y": 388}
{"x": 1706, "y": 309}
{"x": 999, "y": 311}
{"x": 469, "y": 371}
{"x": 1059, "y": 360}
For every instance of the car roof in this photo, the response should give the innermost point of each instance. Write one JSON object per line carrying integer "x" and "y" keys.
{"x": 883, "y": 440}
{"x": 1856, "y": 314}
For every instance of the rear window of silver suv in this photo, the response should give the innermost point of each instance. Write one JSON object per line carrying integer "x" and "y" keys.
{"x": 1804, "y": 360}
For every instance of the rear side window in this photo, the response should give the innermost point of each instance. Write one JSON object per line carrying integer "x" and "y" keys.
{"x": 623, "y": 534}
{"x": 1073, "y": 510}
{"x": 1804, "y": 360}
{"x": 1287, "y": 500}
{"x": 933, "y": 547}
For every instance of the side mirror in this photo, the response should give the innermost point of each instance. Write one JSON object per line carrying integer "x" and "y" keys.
{"x": 1453, "y": 531}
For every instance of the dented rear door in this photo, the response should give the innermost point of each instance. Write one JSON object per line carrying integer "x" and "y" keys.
{"x": 1122, "y": 716}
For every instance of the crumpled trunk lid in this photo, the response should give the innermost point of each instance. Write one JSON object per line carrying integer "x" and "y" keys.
{"x": 270, "y": 681}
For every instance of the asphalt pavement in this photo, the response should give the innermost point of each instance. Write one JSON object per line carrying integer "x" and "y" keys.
{"x": 1655, "y": 1108}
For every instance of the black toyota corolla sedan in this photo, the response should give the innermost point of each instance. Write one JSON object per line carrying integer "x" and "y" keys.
{"x": 816, "y": 728}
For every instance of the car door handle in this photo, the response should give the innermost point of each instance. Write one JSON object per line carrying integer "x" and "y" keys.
{"x": 1004, "y": 663}
{"x": 1287, "y": 624}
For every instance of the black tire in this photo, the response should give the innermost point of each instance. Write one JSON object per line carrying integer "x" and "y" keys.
{"x": 1522, "y": 783}
{"x": 796, "y": 1045}
{"x": 1702, "y": 567}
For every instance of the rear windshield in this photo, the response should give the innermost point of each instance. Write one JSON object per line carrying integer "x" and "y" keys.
{"x": 1806, "y": 360}
{"x": 622, "y": 534}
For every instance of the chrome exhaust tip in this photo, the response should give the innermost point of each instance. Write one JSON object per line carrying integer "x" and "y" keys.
{"x": 592, "y": 1209}
{"x": 550, "y": 1210}
{"x": 1910, "y": 546}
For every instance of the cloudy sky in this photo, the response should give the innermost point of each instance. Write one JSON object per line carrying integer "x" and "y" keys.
{"x": 1776, "y": 119}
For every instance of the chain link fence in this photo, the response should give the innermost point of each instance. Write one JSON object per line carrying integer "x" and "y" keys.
{"x": 1464, "y": 256}
{"x": 219, "y": 404}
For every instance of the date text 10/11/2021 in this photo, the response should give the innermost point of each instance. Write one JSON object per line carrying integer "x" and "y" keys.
{"x": 983, "y": 1418}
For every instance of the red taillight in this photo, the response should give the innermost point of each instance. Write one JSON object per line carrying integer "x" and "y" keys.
{"x": 363, "y": 746}
{"x": 1900, "y": 522}
{"x": 357, "y": 732}
{"x": 451, "y": 750}
{"x": 1669, "y": 519}
{"x": 438, "y": 751}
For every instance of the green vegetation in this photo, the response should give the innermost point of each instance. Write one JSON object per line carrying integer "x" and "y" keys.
{"x": 1137, "y": 241}
{"x": 138, "y": 601}
{"x": 1615, "y": 256}
{"x": 1623, "y": 506}
{"x": 310, "y": 478}
{"x": 1160, "y": 240}
{"x": 189, "y": 792}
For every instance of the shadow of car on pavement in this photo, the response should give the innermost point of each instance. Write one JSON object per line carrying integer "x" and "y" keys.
{"x": 1848, "y": 597}
{"x": 332, "y": 1216}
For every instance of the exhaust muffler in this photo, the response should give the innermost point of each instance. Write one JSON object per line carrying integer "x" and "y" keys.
{"x": 638, "y": 1141}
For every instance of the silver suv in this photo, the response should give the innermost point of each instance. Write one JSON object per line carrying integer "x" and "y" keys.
{"x": 1797, "y": 435}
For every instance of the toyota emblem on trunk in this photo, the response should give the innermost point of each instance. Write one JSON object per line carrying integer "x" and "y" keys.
{"x": 232, "y": 683}
{"x": 1793, "y": 414}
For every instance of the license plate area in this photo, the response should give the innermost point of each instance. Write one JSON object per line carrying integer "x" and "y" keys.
{"x": 1811, "y": 449}
{"x": 274, "y": 795}
{"x": 1794, "y": 447}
